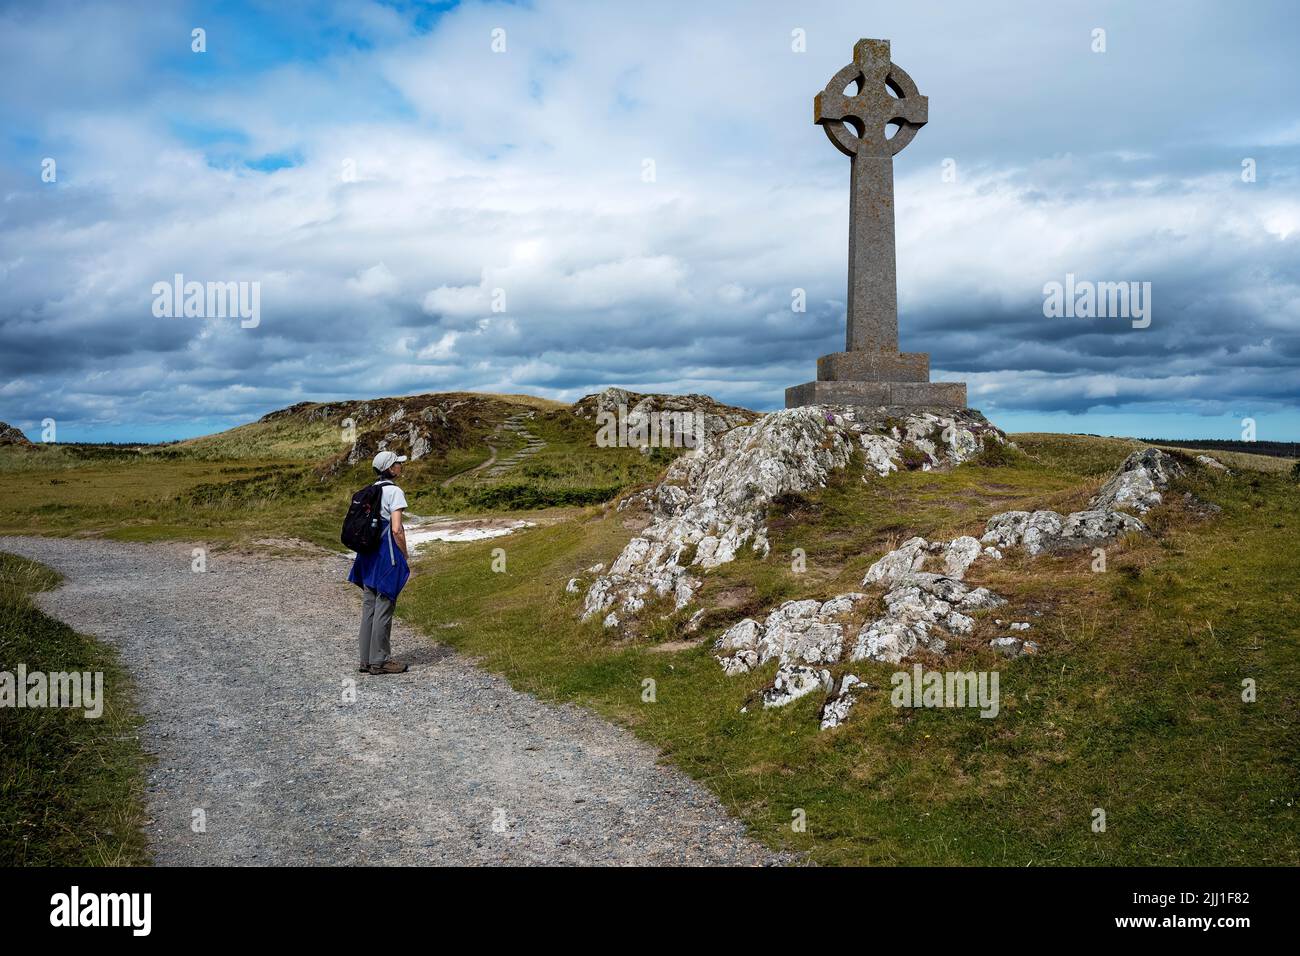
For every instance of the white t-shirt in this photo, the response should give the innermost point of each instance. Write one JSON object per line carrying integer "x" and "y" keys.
{"x": 393, "y": 500}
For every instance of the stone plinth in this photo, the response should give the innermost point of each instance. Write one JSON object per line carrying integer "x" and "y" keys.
{"x": 873, "y": 366}
{"x": 908, "y": 394}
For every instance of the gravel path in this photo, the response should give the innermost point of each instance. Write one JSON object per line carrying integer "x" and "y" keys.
{"x": 241, "y": 673}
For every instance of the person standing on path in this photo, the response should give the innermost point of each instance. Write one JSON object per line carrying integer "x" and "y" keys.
{"x": 381, "y": 574}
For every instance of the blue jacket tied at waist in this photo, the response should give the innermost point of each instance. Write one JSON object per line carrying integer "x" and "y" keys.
{"x": 384, "y": 570}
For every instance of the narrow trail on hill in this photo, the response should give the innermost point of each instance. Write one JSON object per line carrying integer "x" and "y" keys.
{"x": 518, "y": 424}
{"x": 468, "y": 472}
{"x": 241, "y": 676}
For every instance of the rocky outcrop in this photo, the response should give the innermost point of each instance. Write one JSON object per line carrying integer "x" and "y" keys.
{"x": 920, "y": 610}
{"x": 926, "y": 602}
{"x": 805, "y": 632}
{"x": 1045, "y": 531}
{"x": 12, "y": 436}
{"x": 1139, "y": 481}
{"x": 416, "y": 426}
{"x": 409, "y": 430}
{"x": 956, "y": 555}
{"x": 922, "y": 607}
{"x": 672, "y": 411}
{"x": 1137, "y": 485}
{"x": 713, "y": 502}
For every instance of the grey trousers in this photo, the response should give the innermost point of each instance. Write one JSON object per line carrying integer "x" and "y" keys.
{"x": 376, "y": 625}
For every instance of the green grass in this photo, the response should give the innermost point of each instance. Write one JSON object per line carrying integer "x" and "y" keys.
{"x": 265, "y": 481}
{"x": 71, "y": 788}
{"x": 1134, "y": 706}
{"x": 213, "y": 500}
{"x": 570, "y": 471}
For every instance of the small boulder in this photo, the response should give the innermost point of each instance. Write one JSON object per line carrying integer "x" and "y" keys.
{"x": 794, "y": 681}
{"x": 899, "y": 563}
{"x": 1139, "y": 481}
{"x": 837, "y": 708}
{"x": 959, "y": 554}
{"x": 1035, "y": 531}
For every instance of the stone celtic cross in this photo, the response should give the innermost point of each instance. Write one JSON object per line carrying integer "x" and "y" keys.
{"x": 860, "y": 103}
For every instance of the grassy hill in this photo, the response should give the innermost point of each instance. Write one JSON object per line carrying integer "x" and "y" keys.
{"x": 1134, "y": 704}
{"x": 288, "y": 474}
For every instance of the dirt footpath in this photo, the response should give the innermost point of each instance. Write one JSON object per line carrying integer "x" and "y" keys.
{"x": 243, "y": 674}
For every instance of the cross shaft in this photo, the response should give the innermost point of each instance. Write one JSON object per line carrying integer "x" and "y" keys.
{"x": 855, "y": 123}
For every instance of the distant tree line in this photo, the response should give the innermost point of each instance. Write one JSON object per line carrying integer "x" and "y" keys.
{"x": 1277, "y": 449}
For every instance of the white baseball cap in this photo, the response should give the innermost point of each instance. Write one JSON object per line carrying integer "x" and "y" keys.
{"x": 386, "y": 459}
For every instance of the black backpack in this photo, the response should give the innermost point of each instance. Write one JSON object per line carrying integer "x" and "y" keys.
{"x": 363, "y": 528}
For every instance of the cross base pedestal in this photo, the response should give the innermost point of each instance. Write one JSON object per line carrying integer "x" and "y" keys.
{"x": 870, "y": 365}
{"x": 876, "y": 393}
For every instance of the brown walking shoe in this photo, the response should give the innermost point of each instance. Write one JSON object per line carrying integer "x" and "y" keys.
{"x": 388, "y": 667}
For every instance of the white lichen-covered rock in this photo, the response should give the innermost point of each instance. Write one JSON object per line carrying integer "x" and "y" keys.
{"x": 1013, "y": 646}
{"x": 1212, "y": 463}
{"x": 797, "y": 632}
{"x": 794, "y": 681}
{"x": 739, "y": 647}
{"x": 900, "y": 563}
{"x": 1098, "y": 524}
{"x": 959, "y": 623}
{"x": 1008, "y": 646}
{"x": 959, "y": 554}
{"x": 921, "y": 610}
{"x": 1044, "y": 531}
{"x": 842, "y": 604}
{"x": 1136, "y": 484}
{"x": 881, "y": 453}
{"x": 890, "y": 639}
{"x": 837, "y": 708}
{"x": 913, "y": 554}
{"x": 922, "y": 607}
{"x": 811, "y": 641}
{"x": 979, "y": 599}
{"x": 671, "y": 419}
{"x": 1033, "y": 530}
{"x": 1139, "y": 481}
{"x": 713, "y": 502}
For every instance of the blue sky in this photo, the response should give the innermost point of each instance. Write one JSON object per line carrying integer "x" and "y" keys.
{"x": 424, "y": 213}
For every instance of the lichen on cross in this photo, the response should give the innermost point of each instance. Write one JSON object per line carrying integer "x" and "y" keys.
{"x": 885, "y": 96}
